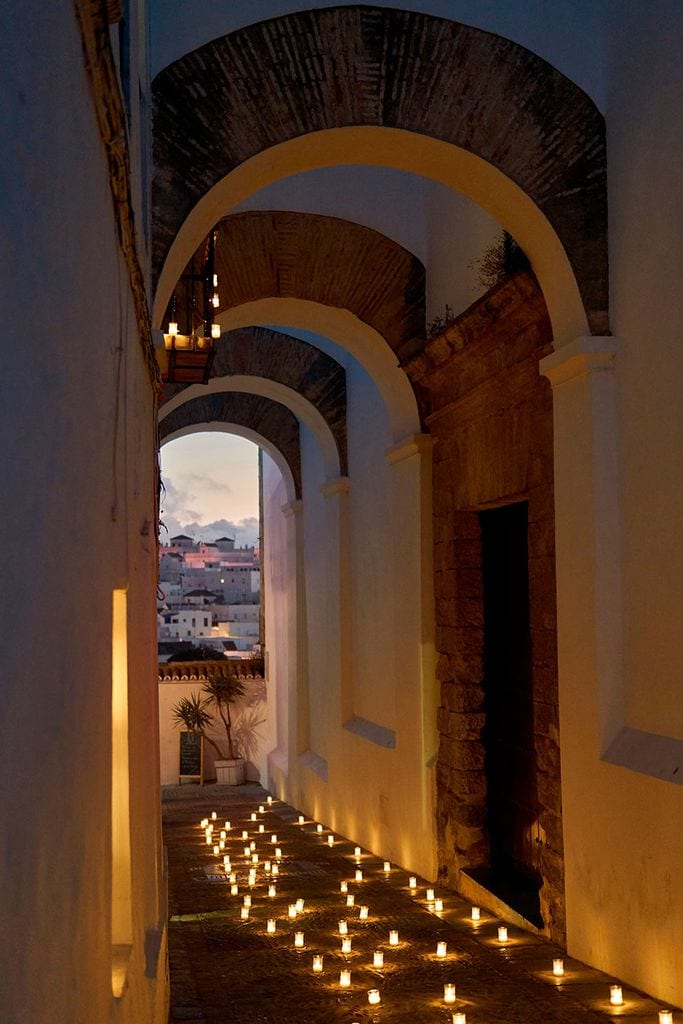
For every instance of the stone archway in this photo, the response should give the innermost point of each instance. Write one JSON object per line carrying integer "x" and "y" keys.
{"x": 522, "y": 139}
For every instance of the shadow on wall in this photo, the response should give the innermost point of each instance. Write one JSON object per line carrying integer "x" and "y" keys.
{"x": 249, "y": 714}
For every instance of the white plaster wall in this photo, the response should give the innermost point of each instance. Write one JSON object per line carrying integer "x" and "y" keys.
{"x": 623, "y": 829}
{"x": 250, "y": 730}
{"x": 79, "y": 480}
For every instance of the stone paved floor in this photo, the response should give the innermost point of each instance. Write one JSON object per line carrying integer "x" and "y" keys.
{"x": 228, "y": 971}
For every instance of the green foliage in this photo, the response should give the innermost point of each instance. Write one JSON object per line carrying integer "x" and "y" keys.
{"x": 198, "y": 652}
{"x": 224, "y": 691}
{"x": 192, "y": 713}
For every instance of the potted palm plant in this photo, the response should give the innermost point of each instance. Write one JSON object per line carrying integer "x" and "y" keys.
{"x": 222, "y": 691}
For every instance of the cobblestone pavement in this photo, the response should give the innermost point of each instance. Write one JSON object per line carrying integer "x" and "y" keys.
{"x": 225, "y": 970}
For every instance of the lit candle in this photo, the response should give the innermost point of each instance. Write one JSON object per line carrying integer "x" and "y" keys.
{"x": 387, "y": 866}
{"x": 346, "y": 944}
{"x": 204, "y": 822}
{"x": 291, "y": 910}
{"x": 330, "y": 840}
{"x": 227, "y": 826}
{"x": 616, "y": 996}
{"x": 261, "y": 828}
{"x": 363, "y": 913}
{"x": 299, "y": 905}
{"x": 244, "y": 913}
{"x": 269, "y": 800}
{"x": 247, "y": 851}
{"x": 207, "y": 833}
{"x": 318, "y": 827}
{"x": 273, "y": 839}
{"x": 343, "y": 927}
{"x": 357, "y": 851}
{"x": 476, "y": 913}
{"x": 275, "y": 869}
{"x": 301, "y": 821}
{"x": 412, "y": 882}
{"x": 272, "y": 890}
{"x": 430, "y": 895}
{"x": 278, "y": 852}
{"x": 558, "y": 967}
{"x": 221, "y": 844}
{"x": 224, "y": 834}
{"x": 378, "y": 958}
{"x": 345, "y": 979}
{"x": 373, "y": 996}
{"x": 209, "y": 840}
{"x": 438, "y": 905}
{"x": 343, "y": 887}
{"x": 245, "y": 834}
{"x": 233, "y": 877}
{"x": 252, "y": 877}
{"x": 226, "y": 862}
{"x": 253, "y": 815}
{"x": 666, "y": 1017}
{"x": 449, "y": 992}
{"x": 261, "y": 808}
{"x": 247, "y": 900}
{"x": 459, "y": 1017}
{"x": 441, "y": 949}
{"x": 502, "y": 933}
{"x": 254, "y": 858}
{"x": 317, "y": 963}
{"x": 359, "y": 875}
{"x": 266, "y": 866}
{"x": 213, "y": 815}
{"x": 216, "y": 851}
{"x": 234, "y": 889}
{"x": 252, "y": 845}
{"x": 299, "y": 940}
{"x": 393, "y": 937}
{"x": 271, "y": 926}
{"x": 350, "y": 900}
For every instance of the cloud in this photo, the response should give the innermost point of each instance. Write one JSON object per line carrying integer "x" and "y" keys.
{"x": 245, "y": 531}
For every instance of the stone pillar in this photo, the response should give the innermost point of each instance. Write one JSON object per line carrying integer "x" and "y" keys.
{"x": 292, "y": 710}
{"x": 417, "y": 696}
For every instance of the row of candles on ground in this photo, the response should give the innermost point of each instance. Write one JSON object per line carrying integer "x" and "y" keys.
{"x": 616, "y": 997}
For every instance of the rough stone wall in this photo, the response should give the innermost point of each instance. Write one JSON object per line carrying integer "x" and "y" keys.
{"x": 490, "y": 414}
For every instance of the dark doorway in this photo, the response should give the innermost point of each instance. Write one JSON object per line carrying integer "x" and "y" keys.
{"x": 508, "y": 736}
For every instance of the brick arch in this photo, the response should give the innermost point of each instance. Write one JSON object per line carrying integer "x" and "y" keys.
{"x": 261, "y": 352}
{"x": 313, "y": 71}
{"x": 260, "y": 415}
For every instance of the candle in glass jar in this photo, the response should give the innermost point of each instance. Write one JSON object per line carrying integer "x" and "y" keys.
{"x": 441, "y": 949}
{"x": 616, "y": 996}
{"x": 273, "y": 839}
{"x": 438, "y": 905}
{"x": 261, "y": 808}
{"x": 330, "y": 840}
{"x": 299, "y": 904}
{"x": 247, "y": 900}
{"x": 269, "y": 800}
{"x": 301, "y": 821}
{"x": 271, "y": 926}
{"x": 275, "y": 869}
{"x": 252, "y": 845}
{"x": 216, "y": 850}
{"x": 344, "y": 979}
{"x": 357, "y": 851}
{"x": 459, "y": 1017}
{"x": 502, "y": 933}
{"x": 318, "y": 827}
{"x": 359, "y": 875}
{"x": 233, "y": 877}
{"x": 209, "y": 840}
{"x": 363, "y": 913}
{"x": 291, "y": 910}
{"x": 224, "y": 834}
{"x": 558, "y": 967}
{"x": 266, "y": 866}
{"x": 261, "y": 828}
{"x": 227, "y": 826}
{"x": 254, "y": 858}
{"x": 374, "y": 996}
{"x": 234, "y": 889}
{"x": 476, "y": 913}
{"x": 430, "y": 895}
{"x": 449, "y": 992}
{"x": 666, "y": 1017}
{"x": 213, "y": 815}
{"x": 343, "y": 887}
{"x": 253, "y": 815}
{"x": 244, "y": 913}
{"x": 393, "y": 937}
{"x": 226, "y": 861}
{"x": 350, "y": 899}
{"x": 412, "y": 882}
{"x": 346, "y": 944}
{"x": 221, "y": 844}
{"x": 343, "y": 927}
{"x": 245, "y": 834}
{"x": 247, "y": 851}
{"x": 204, "y": 822}
{"x": 299, "y": 940}
{"x": 317, "y": 963}
{"x": 272, "y": 891}
{"x": 378, "y": 958}
{"x": 387, "y": 866}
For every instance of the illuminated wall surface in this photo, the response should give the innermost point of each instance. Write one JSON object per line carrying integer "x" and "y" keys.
{"x": 352, "y": 696}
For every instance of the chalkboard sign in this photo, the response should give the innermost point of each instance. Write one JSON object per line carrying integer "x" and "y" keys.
{"x": 191, "y": 756}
